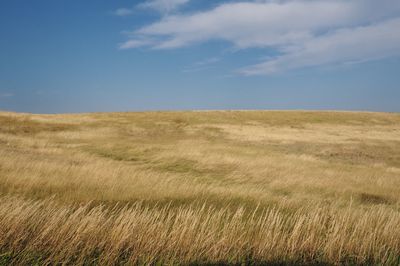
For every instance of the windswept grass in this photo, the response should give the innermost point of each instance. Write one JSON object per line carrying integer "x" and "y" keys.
{"x": 138, "y": 234}
{"x": 193, "y": 188}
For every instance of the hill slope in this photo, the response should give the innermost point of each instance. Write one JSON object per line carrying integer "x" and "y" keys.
{"x": 200, "y": 187}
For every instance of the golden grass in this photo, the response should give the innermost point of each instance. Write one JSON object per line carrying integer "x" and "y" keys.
{"x": 228, "y": 187}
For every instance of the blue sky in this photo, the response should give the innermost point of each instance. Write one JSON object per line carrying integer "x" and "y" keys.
{"x": 100, "y": 55}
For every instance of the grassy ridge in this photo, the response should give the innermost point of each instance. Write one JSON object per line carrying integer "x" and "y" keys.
{"x": 200, "y": 187}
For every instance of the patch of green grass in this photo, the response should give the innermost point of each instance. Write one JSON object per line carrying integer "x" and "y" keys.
{"x": 5, "y": 258}
{"x": 26, "y": 126}
{"x": 122, "y": 153}
{"x": 368, "y": 198}
{"x": 29, "y": 258}
{"x": 193, "y": 168}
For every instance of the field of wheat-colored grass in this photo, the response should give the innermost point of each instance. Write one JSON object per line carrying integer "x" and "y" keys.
{"x": 190, "y": 188}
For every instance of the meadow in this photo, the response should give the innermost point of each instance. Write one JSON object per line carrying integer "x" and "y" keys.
{"x": 200, "y": 187}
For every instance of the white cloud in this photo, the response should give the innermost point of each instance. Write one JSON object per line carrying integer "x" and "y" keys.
{"x": 295, "y": 29}
{"x": 207, "y": 61}
{"x": 355, "y": 45}
{"x": 163, "y": 6}
{"x": 122, "y": 12}
{"x": 202, "y": 65}
{"x": 136, "y": 43}
{"x": 6, "y": 95}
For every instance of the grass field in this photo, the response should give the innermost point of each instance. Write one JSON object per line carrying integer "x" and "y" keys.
{"x": 218, "y": 187}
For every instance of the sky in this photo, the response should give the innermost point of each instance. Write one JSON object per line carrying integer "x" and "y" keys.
{"x": 69, "y": 56}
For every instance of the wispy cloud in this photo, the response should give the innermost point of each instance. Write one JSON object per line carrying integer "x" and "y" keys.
{"x": 135, "y": 43}
{"x": 6, "y": 95}
{"x": 302, "y": 32}
{"x": 355, "y": 45}
{"x": 163, "y": 6}
{"x": 201, "y": 65}
{"x": 122, "y": 12}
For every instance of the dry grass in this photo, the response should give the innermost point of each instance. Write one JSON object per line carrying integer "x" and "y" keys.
{"x": 200, "y": 188}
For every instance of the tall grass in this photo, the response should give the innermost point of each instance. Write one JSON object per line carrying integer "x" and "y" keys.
{"x": 46, "y": 232}
{"x": 200, "y": 188}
